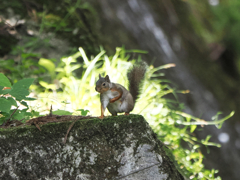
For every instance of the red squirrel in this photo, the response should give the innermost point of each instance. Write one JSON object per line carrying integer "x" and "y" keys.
{"x": 115, "y": 97}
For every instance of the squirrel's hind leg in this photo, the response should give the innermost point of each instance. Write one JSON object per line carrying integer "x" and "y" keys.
{"x": 126, "y": 113}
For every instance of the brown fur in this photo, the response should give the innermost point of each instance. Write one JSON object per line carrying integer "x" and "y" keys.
{"x": 135, "y": 76}
{"x": 117, "y": 98}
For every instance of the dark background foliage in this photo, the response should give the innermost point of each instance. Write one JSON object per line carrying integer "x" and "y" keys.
{"x": 200, "y": 37}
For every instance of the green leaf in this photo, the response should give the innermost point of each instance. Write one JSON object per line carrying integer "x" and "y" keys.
{"x": 29, "y": 99}
{"x": 205, "y": 141}
{"x": 4, "y": 81}
{"x": 84, "y": 56}
{"x": 48, "y": 64}
{"x": 5, "y": 105}
{"x": 4, "y": 117}
{"x": 47, "y": 86}
{"x": 24, "y": 103}
{"x": 19, "y": 115}
{"x": 224, "y": 119}
{"x": 192, "y": 128}
{"x": 196, "y": 146}
{"x": 34, "y": 113}
{"x": 61, "y": 112}
{"x": 218, "y": 123}
{"x": 74, "y": 67}
{"x": 12, "y": 101}
{"x": 20, "y": 89}
{"x": 83, "y": 112}
{"x": 135, "y": 51}
{"x": 5, "y": 91}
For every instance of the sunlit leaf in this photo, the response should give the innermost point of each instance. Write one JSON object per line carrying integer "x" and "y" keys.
{"x": 49, "y": 65}
{"x": 84, "y": 55}
{"x": 47, "y": 86}
{"x": 192, "y": 128}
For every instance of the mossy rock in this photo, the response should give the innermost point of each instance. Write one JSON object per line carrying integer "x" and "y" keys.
{"x": 121, "y": 147}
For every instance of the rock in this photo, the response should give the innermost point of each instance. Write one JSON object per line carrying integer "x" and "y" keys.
{"x": 121, "y": 147}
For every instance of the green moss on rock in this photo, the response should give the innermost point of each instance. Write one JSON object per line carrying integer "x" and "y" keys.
{"x": 121, "y": 147}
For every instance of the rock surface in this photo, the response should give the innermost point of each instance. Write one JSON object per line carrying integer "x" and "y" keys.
{"x": 122, "y": 147}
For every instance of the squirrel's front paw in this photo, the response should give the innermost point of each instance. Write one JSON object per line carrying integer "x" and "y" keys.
{"x": 112, "y": 101}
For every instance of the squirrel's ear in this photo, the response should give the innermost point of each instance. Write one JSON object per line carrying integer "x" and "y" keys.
{"x": 100, "y": 76}
{"x": 107, "y": 78}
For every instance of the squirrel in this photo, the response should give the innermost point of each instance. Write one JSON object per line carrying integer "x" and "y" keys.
{"x": 115, "y": 97}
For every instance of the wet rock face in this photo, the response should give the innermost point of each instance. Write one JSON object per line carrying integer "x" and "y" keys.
{"x": 115, "y": 148}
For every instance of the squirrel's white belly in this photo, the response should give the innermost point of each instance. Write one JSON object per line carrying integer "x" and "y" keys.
{"x": 105, "y": 98}
{"x": 117, "y": 106}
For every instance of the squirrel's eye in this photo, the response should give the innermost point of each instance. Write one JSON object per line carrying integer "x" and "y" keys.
{"x": 103, "y": 84}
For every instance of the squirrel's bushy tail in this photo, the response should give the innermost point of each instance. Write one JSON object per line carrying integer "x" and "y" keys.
{"x": 135, "y": 76}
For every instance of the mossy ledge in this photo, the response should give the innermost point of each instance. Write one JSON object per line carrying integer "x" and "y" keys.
{"x": 121, "y": 147}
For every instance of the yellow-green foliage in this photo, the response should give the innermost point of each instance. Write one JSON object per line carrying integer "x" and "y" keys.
{"x": 71, "y": 93}
{"x": 79, "y": 93}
